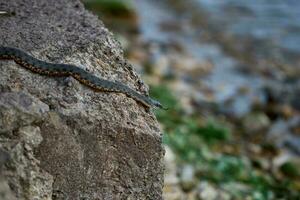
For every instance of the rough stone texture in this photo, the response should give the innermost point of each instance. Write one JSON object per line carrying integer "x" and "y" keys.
{"x": 64, "y": 140}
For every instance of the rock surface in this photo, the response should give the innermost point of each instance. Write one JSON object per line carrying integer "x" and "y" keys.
{"x": 64, "y": 140}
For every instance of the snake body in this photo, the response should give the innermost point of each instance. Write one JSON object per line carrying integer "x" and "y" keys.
{"x": 52, "y": 69}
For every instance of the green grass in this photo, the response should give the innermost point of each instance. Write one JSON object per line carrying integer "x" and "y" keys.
{"x": 115, "y": 7}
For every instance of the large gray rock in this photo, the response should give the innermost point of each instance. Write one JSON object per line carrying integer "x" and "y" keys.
{"x": 64, "y": 140}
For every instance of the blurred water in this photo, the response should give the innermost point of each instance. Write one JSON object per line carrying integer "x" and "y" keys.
{"x": 276, "y": 20}
{"x": 225, "y": 81}
{"x": 151, "y": 14}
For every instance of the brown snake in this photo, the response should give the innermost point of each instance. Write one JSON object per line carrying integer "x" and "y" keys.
{"x": 51, "y": 69}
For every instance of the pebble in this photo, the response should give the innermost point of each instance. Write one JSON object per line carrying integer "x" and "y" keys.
{"x": 185, "y": 64}
{"x": 187, "y": 177}
{"x": 255, "y": 122}
{"x": 206, "y": 191}
{"x": 170, "y": 167}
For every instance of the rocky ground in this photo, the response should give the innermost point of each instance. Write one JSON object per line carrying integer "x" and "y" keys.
{"x": 222, "y": 144}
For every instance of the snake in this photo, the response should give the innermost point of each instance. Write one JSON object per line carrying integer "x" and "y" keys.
{"x": 64, "y": 70}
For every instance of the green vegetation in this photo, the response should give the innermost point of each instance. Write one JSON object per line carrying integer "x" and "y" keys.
{"x": 115, "y": 7}
{"x": 197, "y": 141}
{"x": 290, "y": 170}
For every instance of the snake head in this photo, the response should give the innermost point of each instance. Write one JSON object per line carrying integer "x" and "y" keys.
{"x": 157, "y": 104}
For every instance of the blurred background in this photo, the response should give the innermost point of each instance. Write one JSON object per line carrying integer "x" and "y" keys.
{"x": 229, "y": 72}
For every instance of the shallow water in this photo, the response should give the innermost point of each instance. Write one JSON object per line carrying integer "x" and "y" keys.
{"x": 276, "y": 20}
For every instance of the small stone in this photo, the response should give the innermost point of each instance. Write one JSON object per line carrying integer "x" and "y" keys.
{"x": 161, "y": 65}
{"x": 187, "y": 178}
{"x": 224, "y": 196}
{"x": 185, "y": 92}
{"x": 262, "y": 163}
{"x": 192, "y": 195}
{"x": 190, "y": 65}
{"x": 255, "y": 149}
{"x": 236, "y": 189}
{"x": 170, "y": 167}
{"x": 207, "y": 192}
{"x": 137, "y": 55}
{"x": 287, "y": 111}
{"x": 256, "y": 122}
{"x": 172, "y": 192}
{"x": 278, "y": 132}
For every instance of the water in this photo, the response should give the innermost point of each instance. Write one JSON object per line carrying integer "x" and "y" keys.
{"x": 274, "y": 26}
{"x": 225, "y": 81}
{"x": 275, "y": 20}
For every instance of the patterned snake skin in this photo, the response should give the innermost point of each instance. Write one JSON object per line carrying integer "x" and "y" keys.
{"x": 51, "y": 69}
